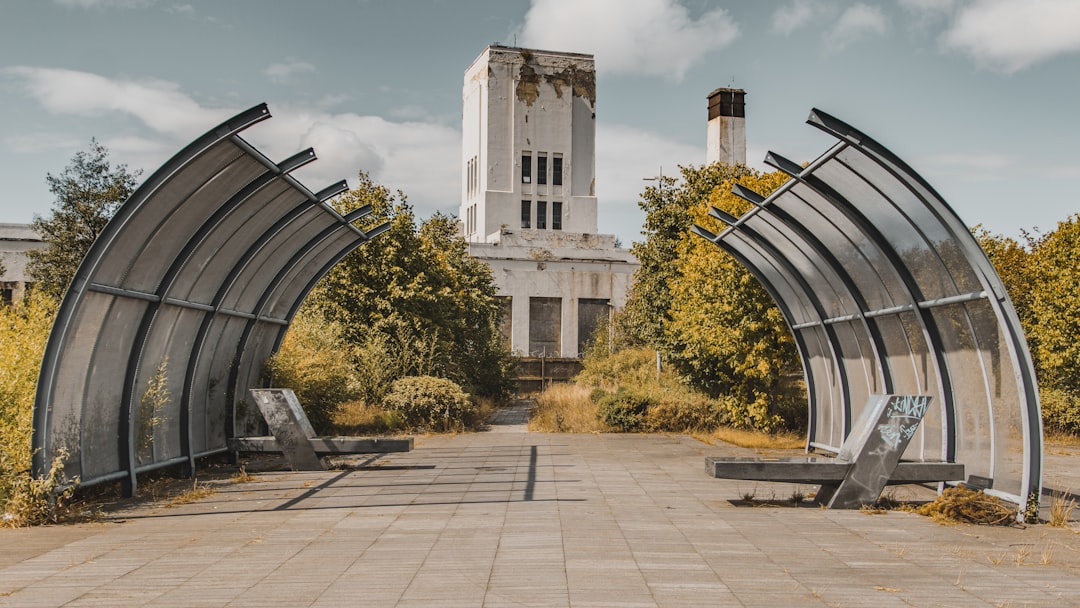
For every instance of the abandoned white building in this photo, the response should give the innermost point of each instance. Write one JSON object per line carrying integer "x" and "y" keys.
{"x": 528, "y": 197}
{"x": 15, "y": 241}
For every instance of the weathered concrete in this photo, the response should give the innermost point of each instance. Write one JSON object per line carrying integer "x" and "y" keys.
{"x": 527, "y": 519}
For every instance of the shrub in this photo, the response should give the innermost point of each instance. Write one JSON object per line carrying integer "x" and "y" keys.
{"x": 624, "y": 410}
{"x": 678, "y": 414}
{"x": 315, "y": 363}
{"x": 1060, "y": 410}
{"x": 430, "y": 402}
{"x": 24, "y": 329}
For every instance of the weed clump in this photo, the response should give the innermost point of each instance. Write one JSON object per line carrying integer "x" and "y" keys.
{"x": 964, "y": 505}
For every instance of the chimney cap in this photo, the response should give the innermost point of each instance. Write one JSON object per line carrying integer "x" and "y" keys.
{"x": 727, "y": 102}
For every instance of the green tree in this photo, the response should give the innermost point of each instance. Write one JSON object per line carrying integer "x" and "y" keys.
{"x": 667, "y": 224}
{"x": 88, "y": 192}
{"x": 416, "y": 294}
{"x": 725, "y": 333}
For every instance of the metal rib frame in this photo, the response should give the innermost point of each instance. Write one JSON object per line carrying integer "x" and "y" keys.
{"x": 129, "y": 381}
{"x": 943, "y": 315}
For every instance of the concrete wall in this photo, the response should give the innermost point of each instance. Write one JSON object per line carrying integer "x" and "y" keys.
{"x": 15, "y": 241}
{"x": 574, "y": 268}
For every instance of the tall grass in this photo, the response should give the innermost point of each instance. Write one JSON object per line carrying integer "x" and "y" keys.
{"x": 624, "y": 391}
{"x": 566, "y": 408}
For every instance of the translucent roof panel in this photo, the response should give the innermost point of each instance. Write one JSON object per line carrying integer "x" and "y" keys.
{"x": 141, "y": 369}
{"x": 886, "y": 290}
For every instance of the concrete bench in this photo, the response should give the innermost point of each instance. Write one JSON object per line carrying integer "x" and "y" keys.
{"x": 869, "y": 458}
{"x": 294, "y": 436}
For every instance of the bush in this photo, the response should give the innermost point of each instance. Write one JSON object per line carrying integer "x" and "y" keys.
{"x": 1060, "y": 410}
{"x": 24, "y": 329}
{"x": 624, "y": 410}
{"x": 315, "y": 363}
{"x": 430, "y": 402}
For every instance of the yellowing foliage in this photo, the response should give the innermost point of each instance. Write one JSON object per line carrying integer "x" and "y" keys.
{"x": 725, "y": 331}
{"x": 24, "y": 329}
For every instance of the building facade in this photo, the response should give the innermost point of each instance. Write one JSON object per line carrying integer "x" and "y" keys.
{"x": 528, "y": 196}
{"x": 15, "y": 241}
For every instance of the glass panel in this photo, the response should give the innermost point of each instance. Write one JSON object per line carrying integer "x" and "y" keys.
{"x": 863, "y": 259}
{"x": 1007, "y": 405}
{"x": 920, "y": 259}
{"x": 828, "y": 410}
{"x": 105, "y": 387}
{"x": 974, "y": 424}
{"x": 827, "y": 287}
{"x": 793, "y": 297}
{"x": 219, "y": 252}
{"x": 928, "y": 223}
{"x": 860, "y": 364}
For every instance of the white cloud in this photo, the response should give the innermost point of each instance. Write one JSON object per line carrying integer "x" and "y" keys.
{"x": 977, "y": 166}
{"x": 158, "y": 104}
{"x": 180, "y": 9}
{"x": 928, "y": 7}
{"x": 625, "y": 156}
{"x": 284, "y": 73}
{"x": 653, "y": 37}
{"x": 793, "y": 16}
{"x": 1010, "y": 36}
{"x": 856, "y": 23}
{"x": 103, "y": 4}
{"x": 420, "y": 158}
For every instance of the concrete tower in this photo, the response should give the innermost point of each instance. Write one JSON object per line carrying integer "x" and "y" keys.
{"x": 726, "y": 141}
{"x": 529, "y": 143}
{"x": 528, "y": 197}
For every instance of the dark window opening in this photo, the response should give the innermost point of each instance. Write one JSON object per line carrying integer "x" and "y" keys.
{"x": 526, "y": 169}
{"x": 556, "y": 215}
{"x": 556, "y": 171}
{"x": 526, "y": 214}
{"x": 541, "y": 215}
{"x": 541, "y": 169}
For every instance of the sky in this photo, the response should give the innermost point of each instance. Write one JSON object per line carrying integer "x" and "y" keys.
{"x": 979, "y": 96}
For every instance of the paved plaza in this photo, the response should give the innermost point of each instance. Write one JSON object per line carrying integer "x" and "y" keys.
{"x": 512, "y": 518}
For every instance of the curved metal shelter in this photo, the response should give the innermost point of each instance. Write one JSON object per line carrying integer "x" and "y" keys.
{"x": 188, "y": 289}
{"x": 886, "y": 291}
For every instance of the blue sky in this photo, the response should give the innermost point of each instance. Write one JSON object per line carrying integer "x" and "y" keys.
{"x": 979, "y": 96}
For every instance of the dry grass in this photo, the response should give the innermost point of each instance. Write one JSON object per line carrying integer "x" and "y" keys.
{"x": 1059, "y": 439}
{"x": 963, "y": 505}
{"x": 197, "y": 492}
{"x": 1061, "y": 509}
{"x": 565, "y": 408}
{"x": 359, "y": 418}
{"x": 747, "y": 438}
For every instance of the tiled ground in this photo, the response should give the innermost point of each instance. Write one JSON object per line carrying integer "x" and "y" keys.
{"x": 526, "y": 519}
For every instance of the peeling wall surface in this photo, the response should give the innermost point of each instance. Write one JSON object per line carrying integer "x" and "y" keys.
{"x": 528, "y": 199}
{"x": 887, "y": 292}
{"x": 539, "y": 104}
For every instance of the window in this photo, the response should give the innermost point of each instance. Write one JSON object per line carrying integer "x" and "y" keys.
{"x": 556, "y": 215}
{"x": 526, "y": 168}
{"x": 541, "y": 168}
{"x": 526, "y": 215}
{"x": 541, "y": 215}
{"x": 556, "y": 171}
